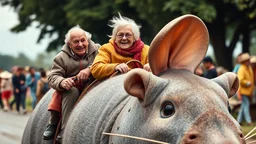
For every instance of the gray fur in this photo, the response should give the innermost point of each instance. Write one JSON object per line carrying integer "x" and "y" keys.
{"x": 109, "y": 108}
{"x": 33, "y": 133}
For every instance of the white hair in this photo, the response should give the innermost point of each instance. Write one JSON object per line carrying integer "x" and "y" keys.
{"x": 67, "y": 36}
{"x": 120, "y": 21}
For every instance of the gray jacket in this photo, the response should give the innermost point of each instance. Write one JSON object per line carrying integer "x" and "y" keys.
{"x": 66, "y": 64}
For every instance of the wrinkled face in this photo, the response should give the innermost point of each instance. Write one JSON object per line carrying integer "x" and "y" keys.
{"x": 124, "y": 37}
{"x": 78, "y": 42}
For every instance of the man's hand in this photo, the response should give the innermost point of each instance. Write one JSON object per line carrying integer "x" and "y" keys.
{"x": 248, "y": 84}
{"x": 83, "y": 74}
{"x": 67, "y": 83}
{"x": 122, "y": 68}
{"x": 17, "y": 90}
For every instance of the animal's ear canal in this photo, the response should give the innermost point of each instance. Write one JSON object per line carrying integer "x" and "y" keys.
{"x": 144, "y": 85}
{"x": 229, "y": 82}
{"x": 180, "y": 44}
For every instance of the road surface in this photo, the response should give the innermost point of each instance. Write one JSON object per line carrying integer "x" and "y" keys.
{"x": 12, "y": 126}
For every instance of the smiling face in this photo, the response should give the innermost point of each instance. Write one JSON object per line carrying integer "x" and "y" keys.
{"x": 124, "y": 37}
{"x": 78, "y": 42}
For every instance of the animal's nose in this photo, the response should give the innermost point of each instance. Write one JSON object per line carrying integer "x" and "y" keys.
{"x": 194, "y": 137}
{"x": 213, "y": 127}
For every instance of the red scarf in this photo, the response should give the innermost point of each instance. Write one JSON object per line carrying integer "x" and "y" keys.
{"x": 134, "y": 51}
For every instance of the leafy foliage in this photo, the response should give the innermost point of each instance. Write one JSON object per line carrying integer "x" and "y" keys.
{"x": 220, "y": 16}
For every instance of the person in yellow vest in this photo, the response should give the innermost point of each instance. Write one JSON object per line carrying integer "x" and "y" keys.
{"x": 125, "y": 44}
{"x": 246, "y": 86}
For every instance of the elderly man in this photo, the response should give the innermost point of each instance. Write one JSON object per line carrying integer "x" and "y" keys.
{"x": 74, "y": 60}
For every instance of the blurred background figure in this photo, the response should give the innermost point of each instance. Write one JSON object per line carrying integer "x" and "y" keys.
{"x": 1, "y": 102}
{"x": 210, "y": 70}
{"x": 237, "y": 63}
{"x": 199, "y": 71}
{"x": 42, "y": 85}
{"x": 6, "y": 87}
{"x": 253, "y": 64}
{"x": 31, "y": 82}
{"x": 17, "y": 80}
{"x": 23, "y": 90}
{"x": 221, "y": 70}
{"x": 246, "y": 86}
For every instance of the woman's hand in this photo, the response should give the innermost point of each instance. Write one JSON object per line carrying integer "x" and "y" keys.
{"x": 147, "y": 67}
{"x": 122, "y": 68}
{"x": 83, "y": 75}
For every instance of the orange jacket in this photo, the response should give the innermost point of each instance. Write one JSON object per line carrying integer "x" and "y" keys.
{"x": 245, "y": 75}
{"x": 107, "y": 58}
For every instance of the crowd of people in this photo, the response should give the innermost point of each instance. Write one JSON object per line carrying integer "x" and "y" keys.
{"x": 20, "y": 83}
{"x": 245, "y": 68}
{"x": 81, "y": 61}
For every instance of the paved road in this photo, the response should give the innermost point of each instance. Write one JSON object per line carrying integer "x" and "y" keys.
{"x": 12, "y": 126}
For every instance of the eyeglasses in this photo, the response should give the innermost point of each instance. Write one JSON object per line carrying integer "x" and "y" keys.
{"x": 78, "y": 41}
{"x": 126, "y": 35}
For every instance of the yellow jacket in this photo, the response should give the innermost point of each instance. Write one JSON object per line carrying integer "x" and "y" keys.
{"x": 245, "y": 75}
{"x": 107, "y": 58}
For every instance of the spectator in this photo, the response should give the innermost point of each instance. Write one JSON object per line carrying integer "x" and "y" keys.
{"x": 31, "y": 82}
{"x": 245, "y": 75}
{"x": 42, "y": 86}
{"x": 210, "y": 70}
{"x": 253, "y": 63}
{"x": 125, "y": 44}
{"x": 23, "y": 90}
{"x": 221, "y": 70}
{"x": 6, "y": 87}
{"x": 237, "y": 64}
{"x": 199, "y": 71}
{"x": 1, "y": 102}
{"x": 74, "y": 60}
{"x": 17, "y": 81}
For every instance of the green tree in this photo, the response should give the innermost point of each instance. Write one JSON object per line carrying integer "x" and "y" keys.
{"x": 6, "y": 62}
{"x": 58, "y": 16}
{"x": 220, "y": 16}
{"x": 228, "y": 21}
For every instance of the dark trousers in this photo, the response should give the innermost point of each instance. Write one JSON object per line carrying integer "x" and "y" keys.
{"x": 17, "y": 100}
{"x": 1, "y": 103}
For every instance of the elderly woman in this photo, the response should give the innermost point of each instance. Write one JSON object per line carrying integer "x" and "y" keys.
{"x": 125, "y": 44}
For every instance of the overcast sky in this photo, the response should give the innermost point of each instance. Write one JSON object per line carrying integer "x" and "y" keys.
{"x": 15, "y": 43}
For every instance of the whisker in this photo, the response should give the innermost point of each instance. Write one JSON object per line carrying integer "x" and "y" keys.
{"x": 250, "y": 136}
{"x": 252, "y": 142}
{"x": 134, "y": 137}
{"x": 250, "y": 132}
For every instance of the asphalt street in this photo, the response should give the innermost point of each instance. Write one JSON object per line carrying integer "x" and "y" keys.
{"x": 12, "y": 126}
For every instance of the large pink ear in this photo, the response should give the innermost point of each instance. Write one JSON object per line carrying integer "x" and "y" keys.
{"x": 181, "y": 44}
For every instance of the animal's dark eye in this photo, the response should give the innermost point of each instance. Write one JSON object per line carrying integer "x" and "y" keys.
{"x": 167, "y": 109}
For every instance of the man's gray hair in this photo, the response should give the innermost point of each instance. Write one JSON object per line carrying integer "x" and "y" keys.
{"x": 67, "y": 36}
{"x": 120, "y": 21}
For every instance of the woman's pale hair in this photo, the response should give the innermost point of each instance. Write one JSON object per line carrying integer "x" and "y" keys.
{"x": 121, "y": 21}
{"x": 67, "y": 36}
